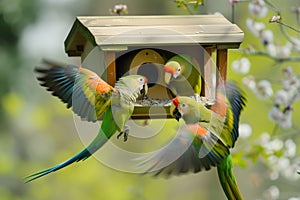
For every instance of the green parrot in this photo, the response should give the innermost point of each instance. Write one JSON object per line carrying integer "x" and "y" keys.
{"x": 90, "y": 97}
{"x": 182, "y": 76}
{"x": 204, "y": 141}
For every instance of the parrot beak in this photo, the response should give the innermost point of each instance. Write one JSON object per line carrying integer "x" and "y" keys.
{"x": 176, "y": 114}
{"x": 174, "y": 111}
{"x": 144, "y": 90}
{"x": 169, "y": 71}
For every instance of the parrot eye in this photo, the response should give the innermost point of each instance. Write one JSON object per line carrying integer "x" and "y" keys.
{"x": 179, "y": 69}
{"x": 140, "y": 80}
{"x": 183, "y": 105}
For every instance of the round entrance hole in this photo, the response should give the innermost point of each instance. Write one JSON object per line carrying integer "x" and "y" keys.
{"x": 149, "y": 70}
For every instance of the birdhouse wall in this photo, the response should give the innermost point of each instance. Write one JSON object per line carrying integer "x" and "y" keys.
{"x": 96, "y": 60}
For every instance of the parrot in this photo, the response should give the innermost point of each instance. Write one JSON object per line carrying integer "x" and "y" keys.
{"x": 182, "y": 76}
{"x": 91, "y": 98}
{"x": 205, "y": 140}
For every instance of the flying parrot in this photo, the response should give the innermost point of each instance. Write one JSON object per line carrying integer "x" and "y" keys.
{"x": 91, "y": 97}
{"x": 204, "y": 141}
{"x": 182, "y": 76}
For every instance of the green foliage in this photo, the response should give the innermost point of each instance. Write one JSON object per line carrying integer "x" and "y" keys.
{"x": 186, "y": 3}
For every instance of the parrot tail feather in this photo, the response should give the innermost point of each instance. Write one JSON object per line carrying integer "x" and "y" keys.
{"x": 84, "y": 154}
{"x": 98, "y": 142}
{"x": 227, "y": 179}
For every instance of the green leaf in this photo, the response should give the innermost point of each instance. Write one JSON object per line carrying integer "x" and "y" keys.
{"x": 238, "y": 159}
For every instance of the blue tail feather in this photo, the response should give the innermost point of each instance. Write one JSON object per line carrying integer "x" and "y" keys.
{"x": 84, "y": 154}
{"x": 98, "y": 142}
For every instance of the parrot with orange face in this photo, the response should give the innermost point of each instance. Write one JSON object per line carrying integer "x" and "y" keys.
{"x": 182, "y": 76}
{"x": 90, "y": 97}
{"x": 205, "y": 140}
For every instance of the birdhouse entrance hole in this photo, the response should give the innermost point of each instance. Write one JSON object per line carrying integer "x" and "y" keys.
{"x": 150, "y": 71}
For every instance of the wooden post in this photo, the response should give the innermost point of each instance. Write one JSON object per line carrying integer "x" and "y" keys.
{"x": 207, "y": 89}
{"x": 111, "y": 68}
{"x": 221, "y": 66}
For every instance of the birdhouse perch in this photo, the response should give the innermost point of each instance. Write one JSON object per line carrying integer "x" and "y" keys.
{"x": 142, "y": 45}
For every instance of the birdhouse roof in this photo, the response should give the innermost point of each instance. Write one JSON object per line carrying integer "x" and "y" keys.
{"x": 120, "y": 32}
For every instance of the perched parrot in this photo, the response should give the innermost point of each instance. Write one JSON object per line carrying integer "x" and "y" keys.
{"x": 182, "y": 76}
{"x": 205, "y": 140}
{"x": 90, "y": 97}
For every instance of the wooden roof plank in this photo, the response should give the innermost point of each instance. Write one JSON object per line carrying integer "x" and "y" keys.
{"x": 151, "y": 30}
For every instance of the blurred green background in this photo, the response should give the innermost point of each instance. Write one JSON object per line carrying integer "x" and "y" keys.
{"x": 38, "y": 132}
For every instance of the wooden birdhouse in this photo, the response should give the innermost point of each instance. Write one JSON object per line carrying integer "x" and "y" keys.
{"x": 121, "y": 45}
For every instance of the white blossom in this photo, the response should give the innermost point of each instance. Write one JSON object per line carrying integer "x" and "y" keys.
{"x": 275, "y": 18}
{"x": 264, "y": 138}
{"x": 290, "y": 172}
{"x": 281, "y": 98}
{"x": 274, "y": 175}
{"x": 290, "y": 82}
{"x": 294, "y": 198}
{"x": 290, "y": 148}
{"x": 287, "y": 119}
{"x": 272, "y": 159}
{"x": 284, "y": 51}
{"x": 272, "y": 193}
{"x": 275, "y": 114}
{"x": 295, "y": 43}
{"x": 264, "y": 89}
{"x": 266, "y": 37}
{"x": 283, "y": 163}
{"x": 288, "y": 72}
{"x": 241, "y": 66}
{"x": 245, "y": 131}
{"x": 284, "y": 119}
{"x": 233, "y": 1}
{"x": 274, "y": 145}
{"x": 258, "y": 8}
{"x": 119, "y": 9}
{"x": 255, "y": 27}
{"x": 249, "y": 81}
{"x": 271, "y": 49}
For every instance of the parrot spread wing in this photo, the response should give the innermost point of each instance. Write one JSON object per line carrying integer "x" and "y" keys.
{"x": 80, "y": 88}
{"x": 237, "y": 102}
{"x": 230, "y": 101}
{"x": 189, "y": 151}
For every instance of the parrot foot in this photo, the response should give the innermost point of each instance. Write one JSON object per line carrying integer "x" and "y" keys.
{"x": 125, "y": 133}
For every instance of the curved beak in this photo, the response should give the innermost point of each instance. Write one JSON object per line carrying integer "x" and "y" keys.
{"x": 144, "y": 90}
{"x": 175, "y": 112}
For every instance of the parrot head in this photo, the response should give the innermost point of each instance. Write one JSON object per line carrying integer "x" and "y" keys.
{"x": 185, "y": 107}
{"x": 172, "y": 70}
{"x": 135, "y": 84}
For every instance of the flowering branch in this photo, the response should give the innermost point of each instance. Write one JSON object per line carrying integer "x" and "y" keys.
{"x": 275, "y": 58}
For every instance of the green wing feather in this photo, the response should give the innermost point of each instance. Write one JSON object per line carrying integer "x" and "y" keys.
{"x": 87, "y": 94}
{"x": 237, "y": 100}
{"x": 213, "y": 135}
{"x": 187, "y": 152}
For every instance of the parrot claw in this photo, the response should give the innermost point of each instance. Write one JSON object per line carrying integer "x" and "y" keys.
{"x": 125, "y": 133}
